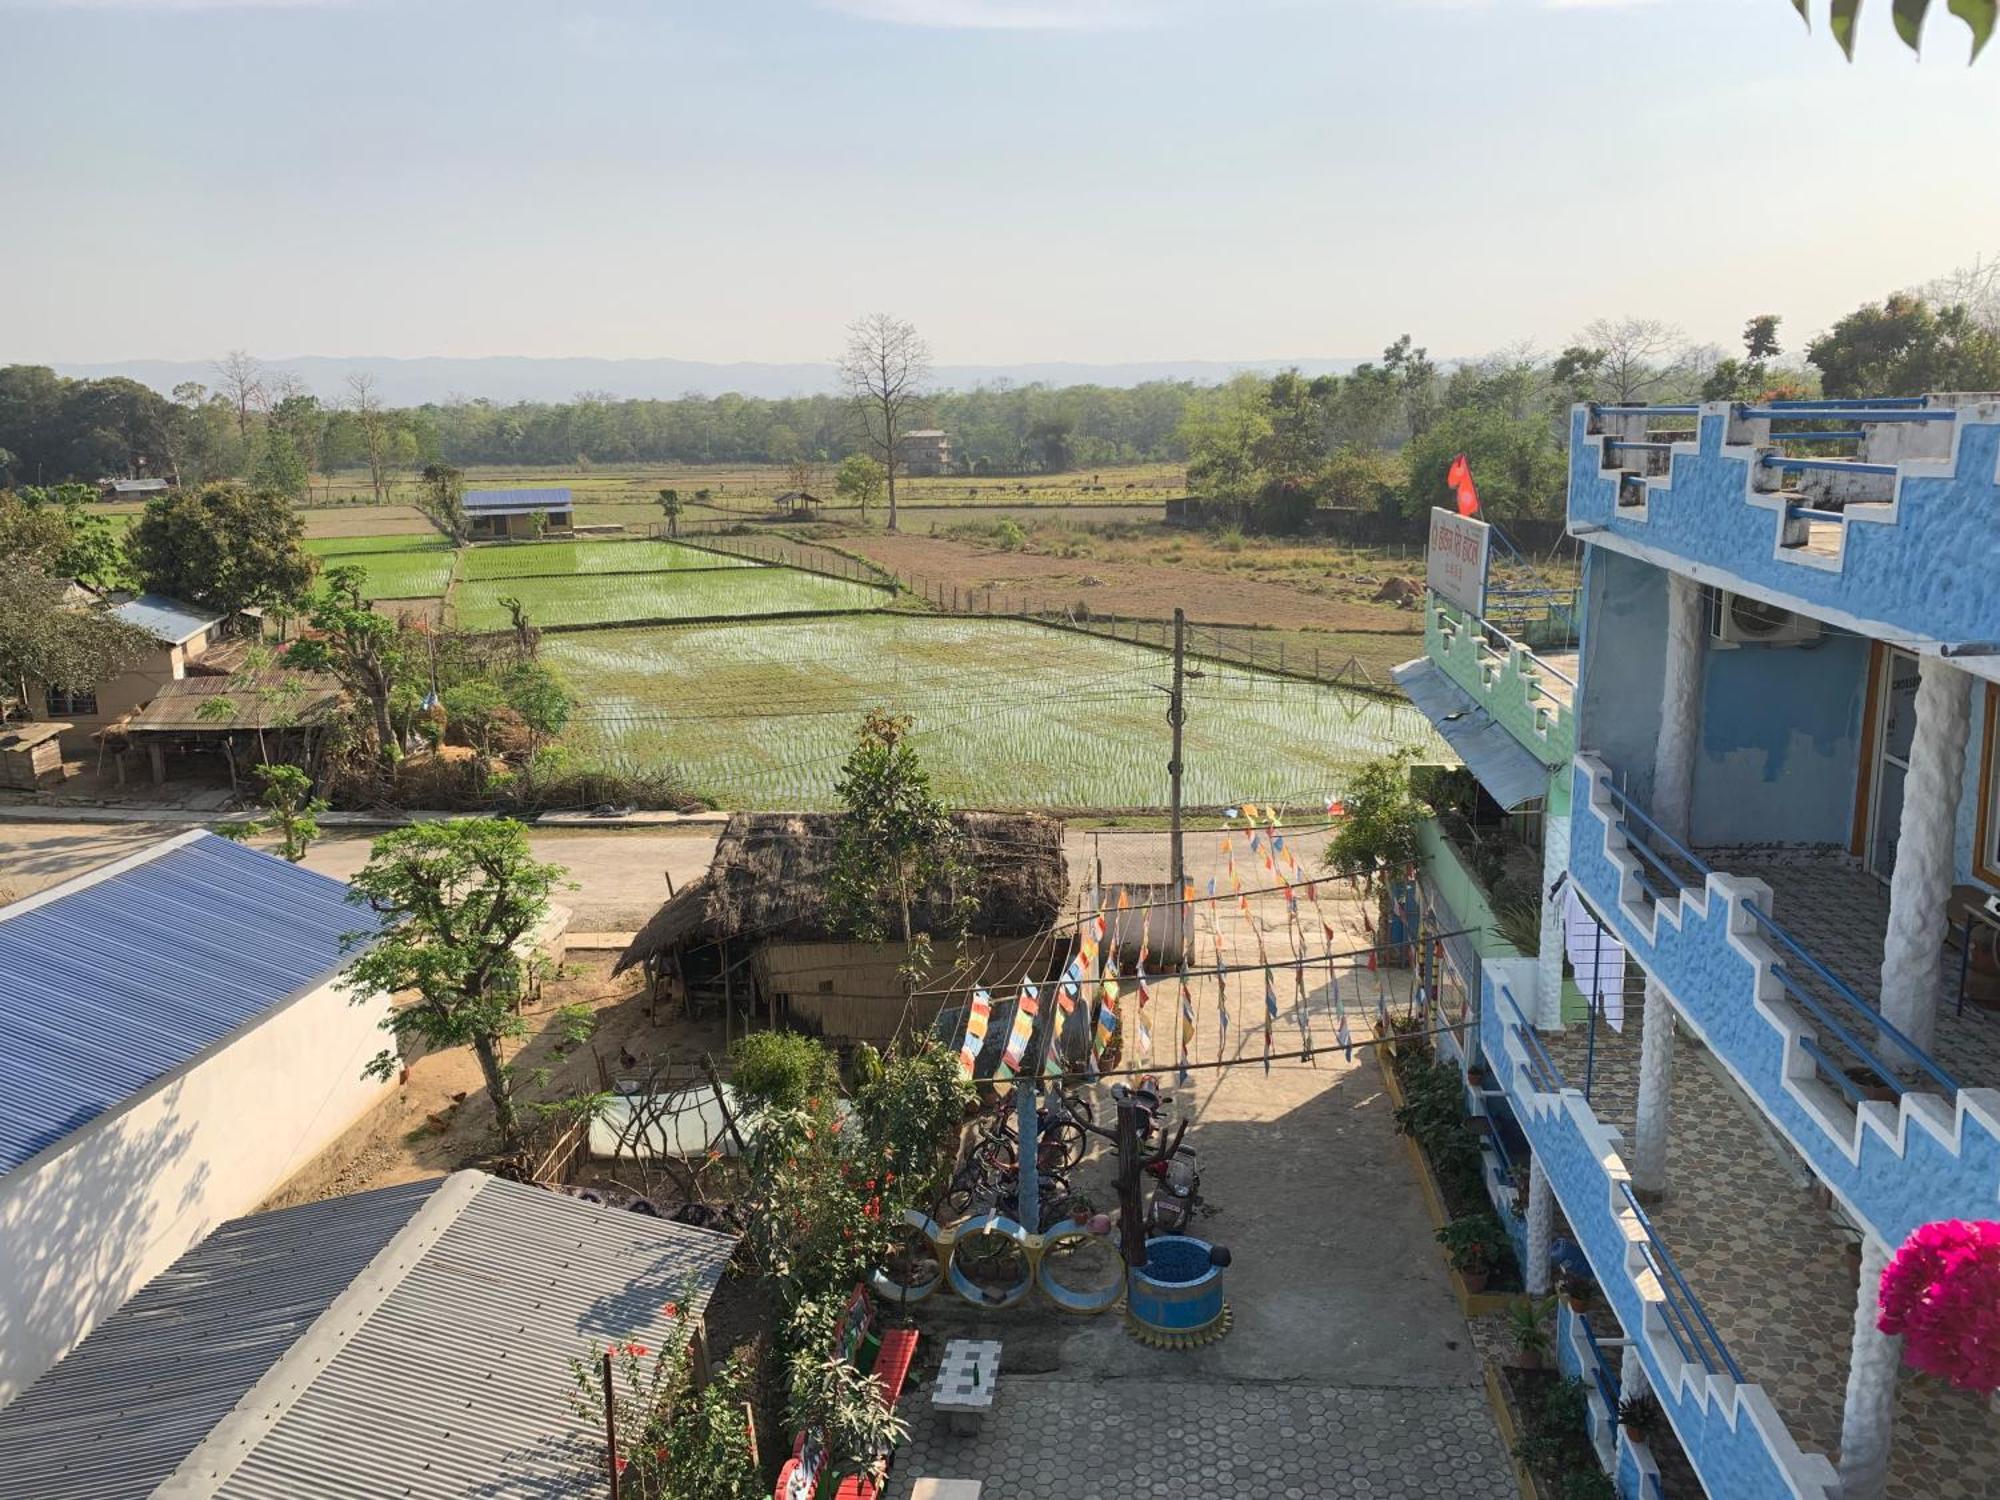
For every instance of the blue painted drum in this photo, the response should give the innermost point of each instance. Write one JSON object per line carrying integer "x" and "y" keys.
{"x": 1178, "y": 1290}
{"x": 1002, "y": 1227}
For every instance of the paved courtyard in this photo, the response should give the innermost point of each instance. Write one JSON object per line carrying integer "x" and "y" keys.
{"x": 1348, "y": 1370}
{"x": 1138, "y": 1440}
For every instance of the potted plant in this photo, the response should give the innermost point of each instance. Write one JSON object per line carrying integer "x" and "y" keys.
{"x": 1472, "y": 1244}
{"x": 1640, "y": 1417}
{"x": 1527, "y": 1325}
{"x": 1587, "y": 1484}
{"x": 1579, "y": 1291}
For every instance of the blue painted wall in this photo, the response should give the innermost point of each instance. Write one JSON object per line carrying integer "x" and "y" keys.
{"x": 1928, "y": 574}
{"x": 1624, "y": 664}
{"x": 1780, "y": 743}
{"x": 1973, "y": 793}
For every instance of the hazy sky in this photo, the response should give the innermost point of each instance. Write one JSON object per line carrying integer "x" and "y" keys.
{"x": 1024, "y": 179}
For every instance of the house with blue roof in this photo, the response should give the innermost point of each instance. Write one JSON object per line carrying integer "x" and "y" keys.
{"x": 501, "y": 515}
{"x": 175, "y": 1044}
{"x": 182, "y": 633}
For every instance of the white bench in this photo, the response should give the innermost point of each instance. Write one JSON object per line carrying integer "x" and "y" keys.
{"x": 967, "y": 1382}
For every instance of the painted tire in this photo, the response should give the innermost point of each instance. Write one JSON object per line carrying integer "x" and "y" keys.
{"x": 1084, "y": 1301}
{"x": 1006, "y": 1229}
{"x": 891, "y": 1290}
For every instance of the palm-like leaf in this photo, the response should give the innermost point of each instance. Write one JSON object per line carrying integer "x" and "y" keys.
{"x": 1979, "y": 17}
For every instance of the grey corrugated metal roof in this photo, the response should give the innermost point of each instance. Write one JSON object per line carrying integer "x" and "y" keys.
{"x": 435, "y": 1364}
{"x": 168, "y": 619}
{"x": 114, "y": 980}
{"x": 114, "y": 1419}
{"x": 490, "y": 502}
{"x": 1511, "y": 775}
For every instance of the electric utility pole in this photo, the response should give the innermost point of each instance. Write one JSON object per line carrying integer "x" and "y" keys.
{"x": 1176, "y": 717}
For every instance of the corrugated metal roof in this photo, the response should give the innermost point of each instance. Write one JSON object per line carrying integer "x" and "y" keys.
{"x": 169, "y": 619}
{"x": 118, "y": 978}
{"x": 486, "y": 502}
{"x": 410, "y": 1341}
{"x": 272, "y": 698}
{"x": 1511, "y": 775}
{"x": 117, "y": 1417}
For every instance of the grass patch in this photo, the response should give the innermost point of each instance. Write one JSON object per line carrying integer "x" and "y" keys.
{"x": 612, "y": 598}
{"x": 589, "y": 559}
{"x": 342, "y": 546}
{"x": 1008, "y": 714}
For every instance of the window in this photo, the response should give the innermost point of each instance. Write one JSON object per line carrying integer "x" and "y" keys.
{"x": 1986, "y": 851}
{"x": 72, "y": 702}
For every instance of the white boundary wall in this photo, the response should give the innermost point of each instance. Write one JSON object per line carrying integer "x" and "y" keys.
{"x": 111, "y": 1205}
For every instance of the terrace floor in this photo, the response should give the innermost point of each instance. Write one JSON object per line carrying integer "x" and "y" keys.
{"x": 1772, "y": 1264}
{"x": 1565, "y": 662}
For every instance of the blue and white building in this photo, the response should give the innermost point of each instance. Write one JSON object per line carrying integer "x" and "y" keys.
{"x": 1774, "y": 782}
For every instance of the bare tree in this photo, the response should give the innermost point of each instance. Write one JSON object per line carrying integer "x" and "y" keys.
{"x": 366, "y": 405}
{"x": 243, "y": 381}
{"x": 1975, "y": 287}
{"x": 1641, "y": 355}
{"x": 884, "y": 370}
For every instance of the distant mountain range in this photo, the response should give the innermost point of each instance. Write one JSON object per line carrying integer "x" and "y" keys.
{"x": 508, "y": 378}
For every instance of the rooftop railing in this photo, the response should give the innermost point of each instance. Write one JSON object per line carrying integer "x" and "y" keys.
{"x": 1501, "y": 644}
{"x": 1664, "y": 881}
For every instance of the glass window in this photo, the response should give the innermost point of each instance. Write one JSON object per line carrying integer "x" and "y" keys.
{"x": 71, "y": 702}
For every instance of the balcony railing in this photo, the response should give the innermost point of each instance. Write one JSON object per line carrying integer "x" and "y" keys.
{"x": 1693, "y": 1334}
{"x": 1606, "y": 1378}
{"x": 1664, "y": 881}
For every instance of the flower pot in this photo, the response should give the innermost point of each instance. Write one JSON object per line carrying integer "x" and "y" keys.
{"x": 1475, "y": 1281}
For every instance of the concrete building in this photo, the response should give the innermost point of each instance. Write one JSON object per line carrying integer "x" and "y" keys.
{"x": 414, "y": 1340}
{"x": 175, "y": 1044}
{"x": 502, "y": 515}
{"x": 184, "y": 633}
{"x": 925, "y": 451}
{"x": 1772, "y": 786}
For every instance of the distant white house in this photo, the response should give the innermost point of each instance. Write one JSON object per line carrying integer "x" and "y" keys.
{"x": 501, "y": 514}
{"x": 924, "y": 451}
{"x": 174, "y": 1045}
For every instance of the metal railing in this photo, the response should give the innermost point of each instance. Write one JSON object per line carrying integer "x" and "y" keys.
{"x": 1868, "y": 412}
{"x": 1686, "y": 1319}
{"x": 1608, "y": 1385}
{"x": 1812, "y": 1004}
{"x": 1492, "y": 638}
{"x": 1823, "y": 465}
{"x": 1542, "y": 1070}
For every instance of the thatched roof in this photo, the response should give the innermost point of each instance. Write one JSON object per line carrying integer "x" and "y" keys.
{"x": 269, "y": 699}
{"x": 769, "y": 876}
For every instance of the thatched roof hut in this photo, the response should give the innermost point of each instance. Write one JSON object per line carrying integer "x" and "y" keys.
{"x": 768, "y": 880}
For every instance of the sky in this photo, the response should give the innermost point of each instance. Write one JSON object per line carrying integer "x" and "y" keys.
{"x": 1023, "y": 179}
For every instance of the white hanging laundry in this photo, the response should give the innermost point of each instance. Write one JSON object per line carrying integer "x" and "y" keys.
{"x": 1596, "y": 956}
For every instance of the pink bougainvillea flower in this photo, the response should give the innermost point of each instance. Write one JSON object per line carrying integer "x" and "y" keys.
{"x": 637, "y": 1351}
{"x": 1941, "y": 1292}
{"x": 659, "y": 1455}
{"x": 623, "y": 1464}
{"x": 672, "y": 1309}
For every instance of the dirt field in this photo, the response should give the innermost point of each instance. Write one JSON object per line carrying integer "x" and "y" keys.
{"x": 439, "y": 1118}
{"x": 1115, "y": 580}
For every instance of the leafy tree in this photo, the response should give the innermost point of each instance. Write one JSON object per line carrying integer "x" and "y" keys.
{"x": 358, "y": 646}
{"x": 859, "y": 481}
{"x": 1909, "y": 16}
{"x": 1518, "y": 467}
{"x": 1904, "y": 347}
{"x": 441, "y": 498}
{"x": 1295, "y": 447}
{"x": 54, "y": 528}
{"x": 45, "y": 638}
{"x": 1224, "y": 431}
{"x": 455, "y": 900}
{"x": 537, "y": 694}
{"x": 474, "y": 707}
{"x": 884, "y": 369}
{"x": 1748, "y": 378}
{"x": 782, "y": 1069}
{"x": 290, "y": 808}
{"x": 280, "y": 470}
{"x": 1377, "y": 836}
{"x": 222, "y": 545}
{"x": 670, "y": 507}
{"x": 895, "y": 841}
{"x": 1364, "y": 479}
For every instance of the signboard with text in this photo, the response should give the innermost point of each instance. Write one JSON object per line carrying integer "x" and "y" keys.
{"x": 1456, "y": 563}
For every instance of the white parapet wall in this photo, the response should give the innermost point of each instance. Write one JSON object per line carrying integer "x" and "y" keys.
{"x": 117, "y": 1200}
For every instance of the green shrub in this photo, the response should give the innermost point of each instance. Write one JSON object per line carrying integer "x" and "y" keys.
{"x": 782, "y": 1069}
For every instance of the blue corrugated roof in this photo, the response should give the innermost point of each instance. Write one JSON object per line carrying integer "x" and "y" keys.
{"x": 1502, "y": 763}
{"x": 169, "y": 619}
{"x": 118, "y": 978}
{"x": 528, "y": 499}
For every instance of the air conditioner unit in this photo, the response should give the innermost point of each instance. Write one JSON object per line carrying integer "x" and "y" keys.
{"x": 1743, "y": 621}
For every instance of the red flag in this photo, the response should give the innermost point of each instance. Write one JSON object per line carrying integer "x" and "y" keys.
{"x": 1459, "y": 477}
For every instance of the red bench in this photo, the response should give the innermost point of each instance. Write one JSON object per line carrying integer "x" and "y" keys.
{"x": 887, "y": 1356}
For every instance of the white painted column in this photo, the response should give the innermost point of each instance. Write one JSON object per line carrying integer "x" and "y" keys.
{"x": 1549, "y": 963}
{"x": 1867, "y": 1421}
{"x": 1680, "y": 707}
{"x": 1632, "y": 1379}
{"x": 1921, "y": 883}
{"x": 1541, "y": 1227}
{"x": 1656, "y": 1086}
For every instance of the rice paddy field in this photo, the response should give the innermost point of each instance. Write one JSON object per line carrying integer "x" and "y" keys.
{"x": 685, "y": 594}
{"x": 398, "y": 567}
{"x": 588, "y": 559}
{"x": 1007, "y": 714}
